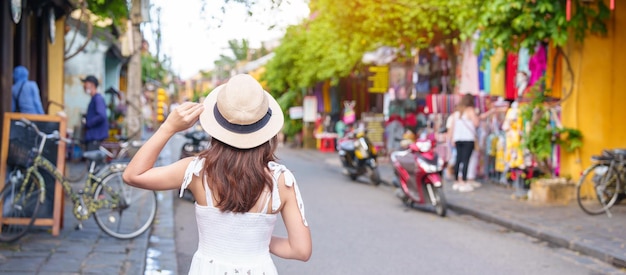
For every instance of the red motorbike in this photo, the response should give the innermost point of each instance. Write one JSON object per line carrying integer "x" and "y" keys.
{"x": 418, "y": 173}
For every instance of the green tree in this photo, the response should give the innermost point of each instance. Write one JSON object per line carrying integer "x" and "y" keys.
{"x": 239, "y": 51}
{"x": 331, "y": 43}
{"x": 511, "y": 24}
{"x": 116, "y": 10}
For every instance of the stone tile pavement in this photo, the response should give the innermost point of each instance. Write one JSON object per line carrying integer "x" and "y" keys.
{"x": 91, "y": 251}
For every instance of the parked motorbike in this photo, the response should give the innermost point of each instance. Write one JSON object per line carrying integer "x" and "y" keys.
{"x": 197, "y": 141}
{"x": 358, "y": 156}
{"x": 418, "y": 177}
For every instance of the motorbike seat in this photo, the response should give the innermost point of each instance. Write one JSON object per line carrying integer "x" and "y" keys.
{"x": 346, "y": 146}
{"x": 621, "y": 152}
{"x": 94, "y": 155}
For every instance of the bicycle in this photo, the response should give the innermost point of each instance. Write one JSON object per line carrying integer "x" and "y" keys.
{"x": 120, "y": 210}
{"x": 606, "y": 176}
{"x": 121, "y": 153}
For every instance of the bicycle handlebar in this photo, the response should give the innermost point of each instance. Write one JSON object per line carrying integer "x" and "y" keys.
{"x": 24, "y": 122}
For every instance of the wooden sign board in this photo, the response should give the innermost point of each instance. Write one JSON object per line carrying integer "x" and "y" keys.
{"x": 51, "y": 211}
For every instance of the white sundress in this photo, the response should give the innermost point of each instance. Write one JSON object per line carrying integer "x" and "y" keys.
{"x": 237, "y": 243}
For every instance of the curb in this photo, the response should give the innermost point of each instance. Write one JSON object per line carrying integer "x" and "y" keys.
{"x": 572, "y": 244}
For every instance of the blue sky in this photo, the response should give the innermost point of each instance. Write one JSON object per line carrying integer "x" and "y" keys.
{"x": 194, "y": 43}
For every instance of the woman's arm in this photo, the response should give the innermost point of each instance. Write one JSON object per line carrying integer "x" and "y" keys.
{"x": 473, "y": 116}
{"x": 298, "y": 243}
{"x": 141, "y": 171}
{"x": 450, "y": 134}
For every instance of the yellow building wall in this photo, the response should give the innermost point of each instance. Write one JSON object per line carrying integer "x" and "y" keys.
{"x": 597, "y": 105}
{"x": 55, "y": 67}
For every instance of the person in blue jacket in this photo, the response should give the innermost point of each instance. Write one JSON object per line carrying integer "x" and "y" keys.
{"x": 25, "y": 93}
{"x": 96, "y": 123}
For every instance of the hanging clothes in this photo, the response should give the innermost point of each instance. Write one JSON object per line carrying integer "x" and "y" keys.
{"x": 554, "y": 77}
{"x": 523, "y": 61}
{"x": 326, "y": 96}
{"x": 500, "y": 164}
{"x": 485, "y": 64}
{"x": 513, "y": 155}
{"x": 497, "y": 77}
{"x": 469, "y": 70}
{"x": 537, "y": 65}
{"x": 511, "y": 76}
{"x": 423, "y": 74}
{"x": 481, "y": 74}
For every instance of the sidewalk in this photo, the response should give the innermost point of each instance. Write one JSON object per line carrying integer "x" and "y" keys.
{"x": 567, "y": 226}
{"x": 91, "y": 251}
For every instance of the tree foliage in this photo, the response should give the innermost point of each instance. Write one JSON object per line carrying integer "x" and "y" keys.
{"x": 330, "y": 44}
{"x": 511, "y": 24}
{"x": 116, "y": 10}
{"x": 153, "y": 69}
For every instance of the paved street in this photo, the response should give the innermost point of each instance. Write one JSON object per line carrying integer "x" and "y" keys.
{"x": 361, "y": 229}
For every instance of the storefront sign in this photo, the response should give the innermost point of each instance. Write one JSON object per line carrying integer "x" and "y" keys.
{"x": 296, "y": 112}
{"x": 374, "y": 122}
{"x": 379, "y": 79}
{"x": 309, "y": 105}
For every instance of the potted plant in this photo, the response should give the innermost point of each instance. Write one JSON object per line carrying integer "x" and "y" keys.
{"x": 540, "y": 134}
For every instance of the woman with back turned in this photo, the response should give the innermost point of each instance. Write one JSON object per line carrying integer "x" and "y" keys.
{"x": 238, "y": 186}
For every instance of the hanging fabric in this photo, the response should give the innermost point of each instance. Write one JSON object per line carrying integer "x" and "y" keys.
{"x": 537, "y": 65}
{"x": 554, "y": 77}
{"x": 469, "y": 70}
{"x": 523, "y": 61}
{"x": 511, "y": 76}
{"x": 486, "y": 72}
{"x": 422, "y": 69}
{"x": 481, "y": 74}
{"x": 326, "y": 96}
{"x": 497, "y": 76}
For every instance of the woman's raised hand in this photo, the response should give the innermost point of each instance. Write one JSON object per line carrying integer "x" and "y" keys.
{"x": 183, "y": 117}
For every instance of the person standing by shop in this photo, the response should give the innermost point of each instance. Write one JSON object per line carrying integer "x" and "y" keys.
{"x": 464, "y": 125}
{"x": 95, "y": 121}
{"x": 26, "y": 97}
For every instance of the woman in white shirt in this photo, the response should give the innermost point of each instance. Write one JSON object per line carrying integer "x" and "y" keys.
{"x": 463, "y": 134}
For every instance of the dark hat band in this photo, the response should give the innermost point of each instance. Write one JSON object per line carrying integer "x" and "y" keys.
{"x": 239, "y": 128}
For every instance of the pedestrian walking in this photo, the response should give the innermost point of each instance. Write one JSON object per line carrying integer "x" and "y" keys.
{"x": 464, "y": 136}
{"x": 95, "y": 122}
{"x": 25, "y": 93}
{"x": 238, "y": 186}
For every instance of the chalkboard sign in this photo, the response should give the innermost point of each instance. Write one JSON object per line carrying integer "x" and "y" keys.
{"x": 50, "y": 212}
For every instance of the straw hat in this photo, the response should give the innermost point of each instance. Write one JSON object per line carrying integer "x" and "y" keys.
{"x": 241, "y": 114}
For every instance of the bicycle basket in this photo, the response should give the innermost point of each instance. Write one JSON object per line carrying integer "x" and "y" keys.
{"x": 19, "y": 152}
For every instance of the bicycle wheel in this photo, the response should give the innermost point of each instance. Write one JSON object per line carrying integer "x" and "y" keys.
{"x": 128, "y": 211}
{"x": 601, "y": 184}
{"x": 76, "y": 171}
{"x": 19, "y": 202}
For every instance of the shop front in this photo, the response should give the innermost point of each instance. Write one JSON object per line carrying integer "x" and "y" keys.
{"x": 32, "y": 36}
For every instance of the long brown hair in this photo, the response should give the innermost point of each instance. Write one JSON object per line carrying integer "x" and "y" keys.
{"x": 237, "y": 177}
{"x": 466, "y": 101}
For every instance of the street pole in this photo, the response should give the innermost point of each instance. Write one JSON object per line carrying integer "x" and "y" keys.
{"x": 134, "y": 119}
